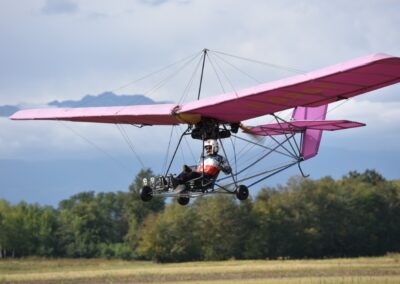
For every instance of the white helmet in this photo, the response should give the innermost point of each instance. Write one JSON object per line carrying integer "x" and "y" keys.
{"x": 213, "y": 144}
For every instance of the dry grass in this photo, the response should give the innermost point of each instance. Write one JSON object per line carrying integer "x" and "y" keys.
{"x": 357, "y": 270}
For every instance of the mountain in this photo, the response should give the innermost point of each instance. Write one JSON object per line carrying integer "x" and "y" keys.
{"x": 106, "y": 99}
{"x": 101, "y": 100}
{"x": 8, "y": 110}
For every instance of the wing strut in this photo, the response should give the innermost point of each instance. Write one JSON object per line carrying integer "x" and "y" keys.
{"x": 176, "y": 149}
{"x": 202, "y": 72}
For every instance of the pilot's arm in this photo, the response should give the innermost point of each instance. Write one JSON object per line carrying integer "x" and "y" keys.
{"x": 225, "y": 167}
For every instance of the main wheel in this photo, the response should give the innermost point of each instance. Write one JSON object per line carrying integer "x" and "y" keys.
{"x": 146, "y": 193}
{"x": 183, "y": 200}
{"x": 242, "y": 192}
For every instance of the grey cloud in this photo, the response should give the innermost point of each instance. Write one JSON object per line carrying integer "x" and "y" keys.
{"x": 160, "y": 2}
{"x": 59, "y": 7}
{"x": 96, "y": 16}
{"x": 153, "y": 2}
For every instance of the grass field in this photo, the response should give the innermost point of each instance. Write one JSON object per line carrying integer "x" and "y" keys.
{"x": 357, "y": 270}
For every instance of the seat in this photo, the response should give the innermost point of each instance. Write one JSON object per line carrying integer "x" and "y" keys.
{"x": 202, "y": 183}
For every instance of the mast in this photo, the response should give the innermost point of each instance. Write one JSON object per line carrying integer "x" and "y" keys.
{"x": 202, "y": 71}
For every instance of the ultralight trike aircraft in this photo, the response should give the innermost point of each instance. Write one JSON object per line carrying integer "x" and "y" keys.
{"x": 221, "y": 117}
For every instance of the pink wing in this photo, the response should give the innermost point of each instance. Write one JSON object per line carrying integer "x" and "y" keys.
{"x": 143, "y": 114}
{"x": 310, "y": 121}
{"x": 301, "y": 126}
{"x": 317, "y": 88}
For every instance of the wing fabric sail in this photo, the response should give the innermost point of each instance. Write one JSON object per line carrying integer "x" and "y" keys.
{"x": 160, "y": 114}
{"x": 311, "y": 137}
{"x": 301, "y": 126}
{"x": 310, "y": 121}
{"x": 313, "y": 89}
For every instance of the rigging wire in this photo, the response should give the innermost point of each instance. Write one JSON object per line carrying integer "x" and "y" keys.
{"x": 286, "y": 135}
{"x": 248, "y": 75}
{"x": 233, "y": 143}
{"x": 188, "y": 145}
{"x": 245, "y": 149}
{"x": 190, "y": 83}
{"x": 338, "y": 106}
{"x": 276, "y": 116}
{"x": 216, "y": 73}
{"x": 181, "y": 148}
{"x": 164, "y": 81}
{"x": 156, "y": 72}
{"x": 290, "y": 69}
{"x": 212, "y": 58}
{"x": 294, "y": 70}
{"x": 117, "y": 162}
{"x": 168, "y": 148}
{"x": 236, "y": 68}
{"x": 226, "y": 78}
{"x": 231, "y": 174}
{"x": 129, "y": 142}
{"x": 271, "y": 169}
{"x": 232, "y": 86}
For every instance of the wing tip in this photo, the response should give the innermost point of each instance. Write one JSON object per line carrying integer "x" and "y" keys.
{"x": 380, "y": 56}
{"x": 15, "y": 116}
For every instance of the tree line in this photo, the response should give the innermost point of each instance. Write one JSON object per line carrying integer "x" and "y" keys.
{"x": 357, "y": 215}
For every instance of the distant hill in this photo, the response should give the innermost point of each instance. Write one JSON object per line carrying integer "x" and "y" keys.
{"x": 106, "y": 99}
{"x": 8, "y": 110}
{"x": 101, "y": 100}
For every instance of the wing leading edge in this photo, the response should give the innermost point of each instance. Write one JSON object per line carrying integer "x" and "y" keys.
{"x": 161, "y": 114}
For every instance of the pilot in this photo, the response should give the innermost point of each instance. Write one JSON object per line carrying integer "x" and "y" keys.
{"x": 211, "y": 165}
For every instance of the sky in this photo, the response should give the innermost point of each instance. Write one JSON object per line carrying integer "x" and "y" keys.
{"x": 65, "y": 49}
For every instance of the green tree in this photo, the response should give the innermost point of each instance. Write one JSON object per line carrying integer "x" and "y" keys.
{"x": 27, "y": 229}
{"x": 46, "y": 233}
{"x": 136, "y": 210}
{"x": 373, "y": 210}
{"x": 170, "y": 236}
{"x": 326, "y": 218}
{"x": 220, "y": 227}
{"x": 87, "y": 220}
{"x": 5, "y": 209}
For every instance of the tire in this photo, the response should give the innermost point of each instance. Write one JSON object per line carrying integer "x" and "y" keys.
{"x": 146, "y": 193}
{"x": 242, "y": 192}
{"x": 183, "y": 200}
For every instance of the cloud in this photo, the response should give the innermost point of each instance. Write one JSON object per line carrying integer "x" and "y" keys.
{"x": 381, "y": 133}
{"x": 62, "y": 57}
{"x": 101, "y": 45}
{"x": 59, "y": 58}
{"x": 160, "y": 2}
{"x": 153, "y": 2}
{"x": 59, "y": 7}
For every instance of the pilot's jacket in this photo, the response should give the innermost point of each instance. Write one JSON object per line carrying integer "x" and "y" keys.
{"x": 213, "y": 164}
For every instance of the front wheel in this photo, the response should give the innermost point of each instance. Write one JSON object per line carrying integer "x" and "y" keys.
{"x": 242, "y": 192}
{"x": 183, "y": 200}
{"x": 146, "y": 193}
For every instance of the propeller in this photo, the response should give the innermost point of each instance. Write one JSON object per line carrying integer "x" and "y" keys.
{"x": 254, "y": 136}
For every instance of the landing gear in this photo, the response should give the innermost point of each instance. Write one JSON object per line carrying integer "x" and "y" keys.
{"x": 242, "y": 192}
{"x": 183, "y": 200}
{"x": 182, "y": 189}
{"x": 146, "y": 193}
